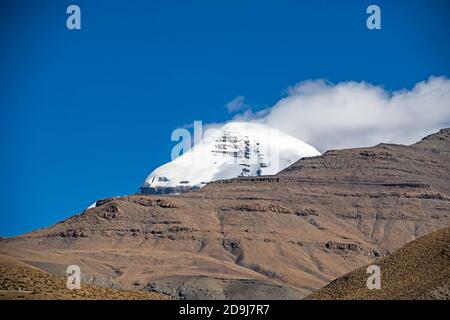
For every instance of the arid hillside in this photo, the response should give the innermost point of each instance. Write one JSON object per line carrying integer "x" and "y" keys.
{"x": 272, "y": 237}
{"x": 419, "y": 270}
{"x": 19, "y": 281}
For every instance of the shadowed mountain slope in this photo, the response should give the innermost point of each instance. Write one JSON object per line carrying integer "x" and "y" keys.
{"x": 419, "y": 270}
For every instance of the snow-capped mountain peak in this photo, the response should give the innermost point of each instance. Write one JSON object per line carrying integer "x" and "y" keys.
{"x": 235, "y": 150}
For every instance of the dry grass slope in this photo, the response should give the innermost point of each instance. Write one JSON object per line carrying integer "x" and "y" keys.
{"x": 419, "y": 270}
{"x": 21, "y": 282}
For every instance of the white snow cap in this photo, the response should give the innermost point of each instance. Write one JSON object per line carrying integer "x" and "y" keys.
{"x": 236, "y": 149}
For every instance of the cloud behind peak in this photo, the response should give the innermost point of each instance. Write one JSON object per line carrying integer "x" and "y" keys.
{"x": 354, "y": 114}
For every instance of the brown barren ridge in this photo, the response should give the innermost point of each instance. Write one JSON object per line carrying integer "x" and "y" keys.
{"x": 419, "y": 270}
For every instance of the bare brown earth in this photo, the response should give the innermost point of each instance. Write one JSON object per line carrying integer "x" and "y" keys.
{"x": 272, "y": 237}
{"x": 19, "y": 281}
{"x": 419, "y": 270}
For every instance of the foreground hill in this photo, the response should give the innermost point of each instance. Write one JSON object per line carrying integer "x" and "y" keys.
{"x": 274, "y": 237}
{"x": 419, "y": 270}
{"x": 20, "y": 281}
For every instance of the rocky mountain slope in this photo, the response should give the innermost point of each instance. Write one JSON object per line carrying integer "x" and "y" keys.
{"x": 274, "y": 237}
{"x": 419, "y": 270}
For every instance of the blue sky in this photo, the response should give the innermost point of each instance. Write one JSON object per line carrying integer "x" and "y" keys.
{"x": 88, "y": 114}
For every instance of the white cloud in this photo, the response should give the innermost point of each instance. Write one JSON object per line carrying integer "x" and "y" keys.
{"x": 354, "y": 114}
{"x": 236, "y": 104}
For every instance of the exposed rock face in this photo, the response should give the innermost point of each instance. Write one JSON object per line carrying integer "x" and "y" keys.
{"x": 291, "y": 233}
{"x": 166, "y": 190}
{"x": 202, "y": 287}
